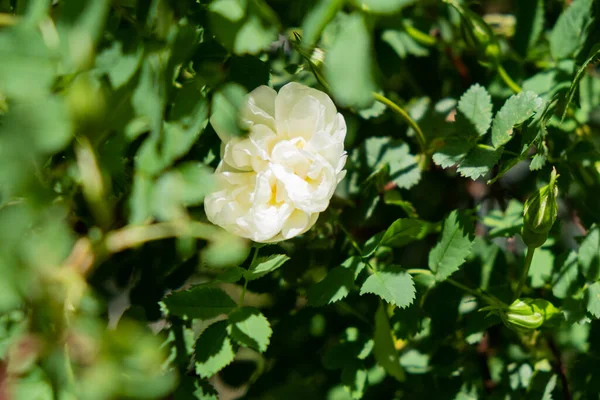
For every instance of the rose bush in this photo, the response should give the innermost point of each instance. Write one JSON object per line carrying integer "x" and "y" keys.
{"x": 273, "y": 184}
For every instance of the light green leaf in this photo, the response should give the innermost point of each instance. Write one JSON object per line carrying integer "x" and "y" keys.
{"x": 265, "y": 265}
{"x": 403, "y": 44}
{"x": 593, "y": 299}
{"x": 516, "y": 110}
{"x": 194, "y": 388}
{"x": 351, "y": 87}
{"x": 231, "y": 275}
{"x": 593, "y": 55}
{"x": 480, "y": 160}
{"x": 393, "y": 284}
{"x": 474, "y": 110}
{"x": 225, "y": 109}
{"x": 507, "y": 223}
{"x": 541, "y": 267}
{"x": 250, "y": 328}
{"x": 453, "y": 152}
{"x": 354, "y": 378}
{"x": 316, "y": 20}
{"x": 403, "y": 231}
{"x": 384, "y": 350}
{"x": 199, "y": 302}
{"x": 589, "y": 255}
{"x": 403, "y": 167}
{"x": 566, "y": 36}
{"x": 454, "y": 247}
{"x": 213, "y": 350}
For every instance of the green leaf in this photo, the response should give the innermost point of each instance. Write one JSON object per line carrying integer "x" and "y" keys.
{"x": 194, "y": 388}
{"x": 566, "y": 36}
{"x": 589, "y": 255}
{"x": 213, "y": 350}
{"x": 530, "y": 24}
{"x": 225, "y": 109}
{"x": 593, "y": 55}
{"x": 384, "y": 349}
{"x": 120, "y": 61}
{"x": 351, "y": 87}
{"x": 541, "y": 267}
{"x": 354, "y": 378}
{"x": 385, "y": 6}
{"x": 199, "y": 302}
{"x": 507, "y": 223}
{"x": 250, "y": 328}
{"x": 565, "y": 282}
{"x": 453, "y": 152}
{"x": 593, "y": 299}
{"x": 265, "y": 265}
{"x": 516, "y": 110}
{"x": 403, "y": 44}
{"x": 403, "y": 231}
{"x": 479, "y": 161}
{"x": 393, "y": 284}
{"x": 316, "y": 20}
{"x": 403, "y": 167}
{"x": 474, "y": 110}
{"x": 231, "y": 275}
{"x": 337, "y": 284}
{"x": 454, "y": 247}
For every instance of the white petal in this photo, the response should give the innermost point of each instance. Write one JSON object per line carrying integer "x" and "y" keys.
{"x": 297, "y": 223}
{"x": 259, "y": 108}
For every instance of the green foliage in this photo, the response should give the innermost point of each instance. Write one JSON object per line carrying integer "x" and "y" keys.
{"x": 415, "y": 282}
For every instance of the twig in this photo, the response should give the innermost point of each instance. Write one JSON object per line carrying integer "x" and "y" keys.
{"x": 528, "y": 258}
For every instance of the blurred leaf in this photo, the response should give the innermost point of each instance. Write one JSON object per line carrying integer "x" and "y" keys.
{"x": 264, "y": 265}
{"x": 565, "y": 282}
{"x": 517, "y": 109}
{"x": 593, "y": 55}
{"x": 385, "y": 6}
{"x": 316, "y": 20}
{"x": 384, "y": 350}
{"x": 566, "y": 36}
{"x": 213, "y": 350}
{"x": 589, "y": 255}
{"x": 530, "y": 24}
{"x": 403, "y": 44}
{"x": 348, "y": 68}
{"x": 225, "y": 108}
{"x": 250, "y": 328}
{"x": 454, "y": 247}
{"x": 199, "y": 302}
{"x": 354, "y": 378}
{"x": 507, "y": 223}
{"x": 393, "y": 284}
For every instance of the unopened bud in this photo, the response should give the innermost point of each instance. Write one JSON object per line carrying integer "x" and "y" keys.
{"x": 539, "y": 213}
{"x": 528, "y": 314}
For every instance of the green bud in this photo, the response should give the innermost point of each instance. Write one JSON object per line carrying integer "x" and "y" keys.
{"x": 539, "y": 213}
{"x": 478, "y": 35}
{"x": 528, "y": 314}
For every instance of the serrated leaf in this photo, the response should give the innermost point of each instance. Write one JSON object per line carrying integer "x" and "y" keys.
{"x": 475, "y": 109}
{"x": 453, "y": 152}
{"x": 393, "y": 284}
{"x": 403, "y": 231}
{"x": 480, "y": 160}
{"x": 566, "y": 36}
{"x": 213, "y": 350}
{"x": 199, "y": 302}
{"x": 338, "y": 283}
{"x": 516, "y": 110}
{"x": 454, "y": 246}
{"x": 403, "y": 166}
{"x": 265, "y": 265}
{"x": 507, "y": 223}
{"x": 589, "y": 255}
{"x": 538, "y": 162}
{"x": 593, "y": 299}
{"x": 250, "y": 328}
{"x": 194, "y": 388}
{"x": 383, "y": 348}
{"x": 565, "y": 281}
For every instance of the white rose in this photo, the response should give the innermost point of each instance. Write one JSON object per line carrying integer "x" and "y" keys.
{"x": 273, "y": 184}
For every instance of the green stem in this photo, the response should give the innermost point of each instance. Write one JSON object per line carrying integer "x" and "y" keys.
{"x": 398, "y": 110}
{"x": 254, "y": 257}
{"x": 528, "y": 258}
{"x": 418, "y": 35}
{"x": 350, "y": 238}
{"x": 508, "y": 80}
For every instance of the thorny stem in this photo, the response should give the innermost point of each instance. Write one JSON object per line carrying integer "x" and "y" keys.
{"x": 507, "y": 79}
{"x": 528, "y": 258}
{"x": 398, "y": 110}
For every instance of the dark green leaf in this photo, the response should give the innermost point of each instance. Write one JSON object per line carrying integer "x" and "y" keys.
{"x": 265, "y": 265}
{"x": 250, "y": 328}
{"x": 393, "y": 284}
{"x": 200, "y": 302}
{"x": 589, "y": 255}
{"x": 213, "y": 350}
{"x": 384, "y": 349}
